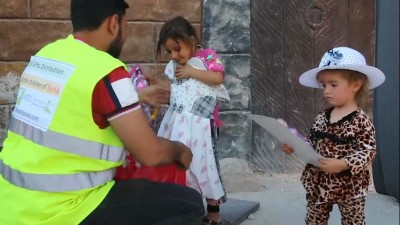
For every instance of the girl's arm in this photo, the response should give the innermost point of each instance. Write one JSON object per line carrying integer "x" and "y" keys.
{"x": 208, "y": 77}
{"x": 362, "y": 157}
{"x": 205, "y": 76}
{"x": 214, "y": 73}
{"x": 366, "y": 146}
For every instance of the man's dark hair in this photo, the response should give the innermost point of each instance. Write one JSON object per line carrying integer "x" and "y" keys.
{"x": 90, "y": 14}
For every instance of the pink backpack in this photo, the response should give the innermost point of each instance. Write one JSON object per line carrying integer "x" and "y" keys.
{"x": 139, "y": 80}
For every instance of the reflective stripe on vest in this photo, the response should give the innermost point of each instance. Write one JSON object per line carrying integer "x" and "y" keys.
{"x": 55, "y": 183}
{"x": 63, "y": 142}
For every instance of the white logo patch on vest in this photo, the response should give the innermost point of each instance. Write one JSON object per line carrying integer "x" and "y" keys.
{"x": 42, "y": 84}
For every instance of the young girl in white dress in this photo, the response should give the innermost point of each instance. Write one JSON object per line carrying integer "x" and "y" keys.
{"x": 196, "y": 76}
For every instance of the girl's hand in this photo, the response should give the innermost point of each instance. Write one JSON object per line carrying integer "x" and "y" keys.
{"x": 330, "y": 165}
{"x": 287, "y": 149}
{"x": 183, "y": 72}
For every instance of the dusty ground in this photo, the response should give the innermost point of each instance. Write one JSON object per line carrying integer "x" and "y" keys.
{"x": 282, "y": 198}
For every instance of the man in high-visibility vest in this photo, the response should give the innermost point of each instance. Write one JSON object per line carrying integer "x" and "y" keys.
{"x": 76, "y": 113}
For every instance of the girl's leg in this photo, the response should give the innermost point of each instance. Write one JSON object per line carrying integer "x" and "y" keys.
{"x": 318, "y": 214}
{"x": 352, "y": 211}
{"x": 213, "y": 209}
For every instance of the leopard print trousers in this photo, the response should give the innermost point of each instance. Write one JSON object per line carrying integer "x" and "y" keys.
{"x": 351, "y": 210}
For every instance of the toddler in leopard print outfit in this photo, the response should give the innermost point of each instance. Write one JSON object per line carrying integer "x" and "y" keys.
{"x": 343, "y": 135}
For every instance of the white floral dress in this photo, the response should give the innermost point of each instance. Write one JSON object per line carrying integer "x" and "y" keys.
{"x": 188, "y": 120}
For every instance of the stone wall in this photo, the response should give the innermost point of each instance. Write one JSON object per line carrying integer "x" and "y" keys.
{"x": 27, "y": 25}
{"x": 227, "y": 30}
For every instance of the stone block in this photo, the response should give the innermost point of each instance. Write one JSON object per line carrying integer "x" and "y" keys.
{"x": 5, "y": 113}
{"x": 10, "y": 74}
{"x": 14, "y": 9}
{"x": 139, "y": 46}
{"x": 237, "y": 81}
{"x": 235, "y": 211}
{"x": 227, "y": 25}
{"x": 161, "y": 10}
{"x": 22, "y": 39}
{"x": 56, "y": 9}
{"x": 237, "y": 176}
{"x": 235, "y": 136}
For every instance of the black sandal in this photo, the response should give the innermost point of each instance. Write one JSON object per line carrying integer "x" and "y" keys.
{"x": 207, "y": 221}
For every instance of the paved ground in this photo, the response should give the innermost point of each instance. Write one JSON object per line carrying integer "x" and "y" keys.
{"x": 282, "y": 202}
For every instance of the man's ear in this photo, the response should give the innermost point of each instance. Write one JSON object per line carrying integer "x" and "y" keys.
{"x": 113, "y": 25}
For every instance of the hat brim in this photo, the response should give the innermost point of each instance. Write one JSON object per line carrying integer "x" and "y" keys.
{"x": 375, "y": 76}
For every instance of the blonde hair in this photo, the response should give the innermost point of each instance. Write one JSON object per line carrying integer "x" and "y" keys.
{"x": 362, "y": 95}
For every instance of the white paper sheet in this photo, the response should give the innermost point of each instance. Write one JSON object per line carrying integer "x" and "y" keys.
{"x": 301, "y": 149}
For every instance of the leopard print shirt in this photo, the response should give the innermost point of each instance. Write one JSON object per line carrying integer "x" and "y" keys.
{"x": 353, "y": 139}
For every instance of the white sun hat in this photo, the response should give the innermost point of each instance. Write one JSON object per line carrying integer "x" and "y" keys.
{"x": 343, "y": 58}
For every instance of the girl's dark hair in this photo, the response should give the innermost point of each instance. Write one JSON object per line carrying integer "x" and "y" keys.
{"x": 177, "y": 28}
{"x": 89, "y": 14}
{"x": 363, "y": 94}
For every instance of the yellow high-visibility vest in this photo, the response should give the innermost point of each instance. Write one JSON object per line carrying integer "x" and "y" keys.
{"x": 61, "y": 175}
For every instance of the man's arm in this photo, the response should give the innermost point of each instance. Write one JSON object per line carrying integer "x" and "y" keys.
{"x": 141, "y": 141}
{"x": 115, "y": 103}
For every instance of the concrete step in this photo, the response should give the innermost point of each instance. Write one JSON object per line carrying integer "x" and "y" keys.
{"x": 235, "y": 211}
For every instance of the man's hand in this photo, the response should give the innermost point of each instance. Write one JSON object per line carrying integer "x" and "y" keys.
{"x": 185, "y": 156}
{"x": 154, "y": 95}
{"x": 162, "y": 91}
{"x": 330, "y": 165}
{"x": 154, "y": 79}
